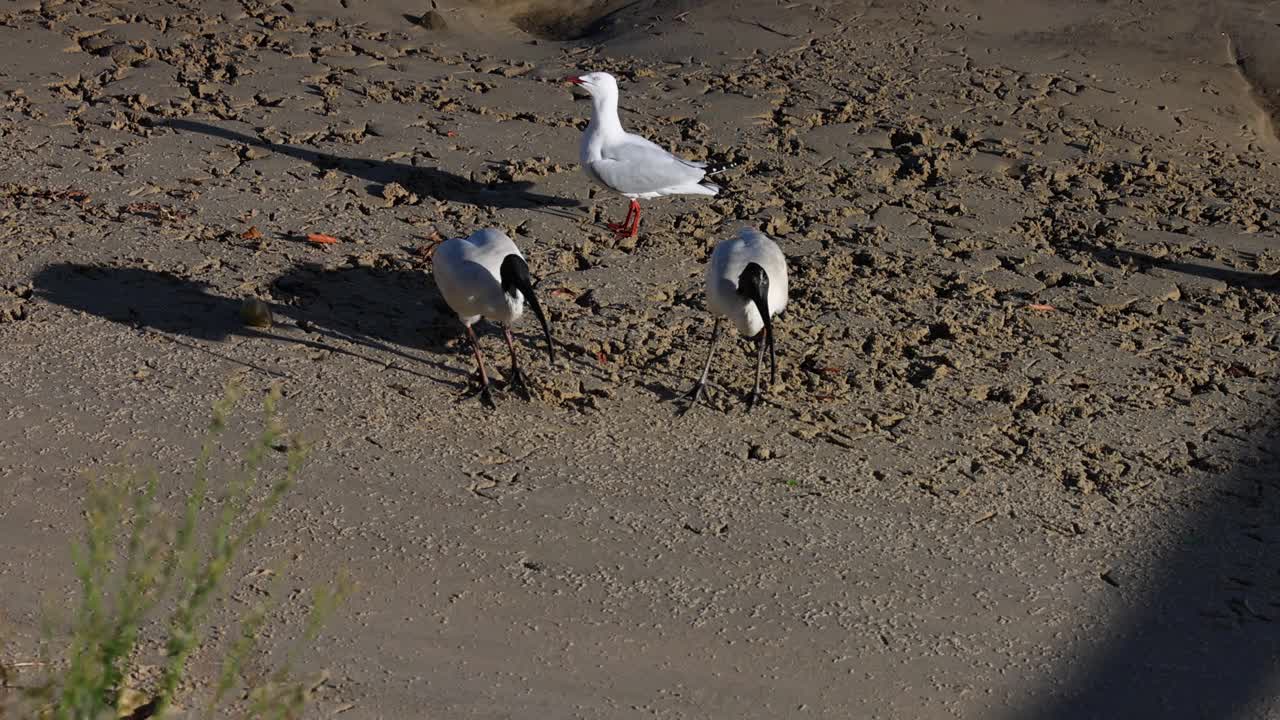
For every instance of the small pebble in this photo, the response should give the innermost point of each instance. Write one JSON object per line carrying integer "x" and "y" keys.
{"x": 433, "y": 20}
{"x": 255, "y": 313}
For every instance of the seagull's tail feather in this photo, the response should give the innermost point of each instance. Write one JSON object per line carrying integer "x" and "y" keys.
{"x": 711, "y": 172}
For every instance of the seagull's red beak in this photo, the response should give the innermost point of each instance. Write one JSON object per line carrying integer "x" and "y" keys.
{"x": 573, "y": 79}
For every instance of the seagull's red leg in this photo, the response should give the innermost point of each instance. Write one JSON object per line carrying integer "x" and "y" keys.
{"x": 634, "y": 229}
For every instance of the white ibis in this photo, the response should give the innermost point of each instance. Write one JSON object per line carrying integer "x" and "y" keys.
{"x": 485, "y": 276}
{"x": 629, "y": 164}
{"x": 747, "y": 283}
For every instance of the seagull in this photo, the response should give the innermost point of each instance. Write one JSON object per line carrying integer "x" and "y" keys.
{"x": 629, "y": 164}
{"x": 747, "y": 283}
{"x": 485, "y": 276}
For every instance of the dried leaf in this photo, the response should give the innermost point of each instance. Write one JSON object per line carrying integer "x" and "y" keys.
{"x": 253, "y": 233}
{"x": 321, "y": 239}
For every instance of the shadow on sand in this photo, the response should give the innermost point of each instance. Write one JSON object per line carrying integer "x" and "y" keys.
{"x": 1141, "y": 261}
{"x": 425, "y": 181}
{"x": 1205, "y": 641}
{"x": 387, "y": 311}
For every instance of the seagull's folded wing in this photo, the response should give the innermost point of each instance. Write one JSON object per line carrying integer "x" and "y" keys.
{"x": 638, "y": 166}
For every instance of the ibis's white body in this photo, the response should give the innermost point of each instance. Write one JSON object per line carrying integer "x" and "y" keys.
{"x": 728, "y": 261}
{"x": 468, "y": 273}
{"x": 629, "y": 164}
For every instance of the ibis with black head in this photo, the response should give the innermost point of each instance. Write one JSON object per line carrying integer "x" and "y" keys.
{"x": 747, "y": 284}
{"x": 486, "y": 276}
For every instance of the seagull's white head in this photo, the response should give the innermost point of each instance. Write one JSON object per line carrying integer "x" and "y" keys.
{"x": 599, "y": 84}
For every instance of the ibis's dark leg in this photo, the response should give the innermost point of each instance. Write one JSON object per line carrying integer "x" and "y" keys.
{"x": 518, "y": 380}
{"x": 755, "y": 390}
{"x": 485, "y": 396}
{"x": 698, "y": 391}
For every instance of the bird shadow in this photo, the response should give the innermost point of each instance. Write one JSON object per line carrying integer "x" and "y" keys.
{"x": 142, "y": 298}
{"x": 665, "y": 392}
{"x": 1142, "y": 261}
{"x": 385, "y": 311}
{"x": 424, "y": 181}
{"x": 382, "y": 309}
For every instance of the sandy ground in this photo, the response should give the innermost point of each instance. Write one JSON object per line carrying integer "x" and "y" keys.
{"x": 958, "y": 503}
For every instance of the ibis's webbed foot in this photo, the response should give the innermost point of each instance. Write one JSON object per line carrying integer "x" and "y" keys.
{"x": 519, "y": 382}
{"x": 486, "y": 398}
{"x": 696, "y": 394}
{"x": 481, "y": 391}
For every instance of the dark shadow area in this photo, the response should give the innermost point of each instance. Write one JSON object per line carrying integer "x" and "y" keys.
{"x": 141, "y": 298}
{"x": 383, "y": 310}
{"x": 1142, "y": 261}
{"x": 424, "y": 181}
{"x": 594, "y": 20}
{"x": 386, "y": 310}
{"x": 1204, "y": 643}
{"x": 665, "y": 392}
{"x": 1251, "y": 41}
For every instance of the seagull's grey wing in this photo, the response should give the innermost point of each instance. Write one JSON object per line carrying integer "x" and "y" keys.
{"x": 642, "y": 167}
{"x": 638, "y": 141}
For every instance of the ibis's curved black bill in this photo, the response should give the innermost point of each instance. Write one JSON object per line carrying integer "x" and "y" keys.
{"x": 753, "y": 284}
{"x": 515, "y": 276}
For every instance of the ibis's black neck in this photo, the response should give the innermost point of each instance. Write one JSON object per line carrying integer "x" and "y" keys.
{"x": 753, "y": 283}
{"x": 514, "y": 275}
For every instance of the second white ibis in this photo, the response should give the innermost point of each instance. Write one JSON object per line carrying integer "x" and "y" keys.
{"x": 746, "y": 283}
{"x": 486, "y": 276}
